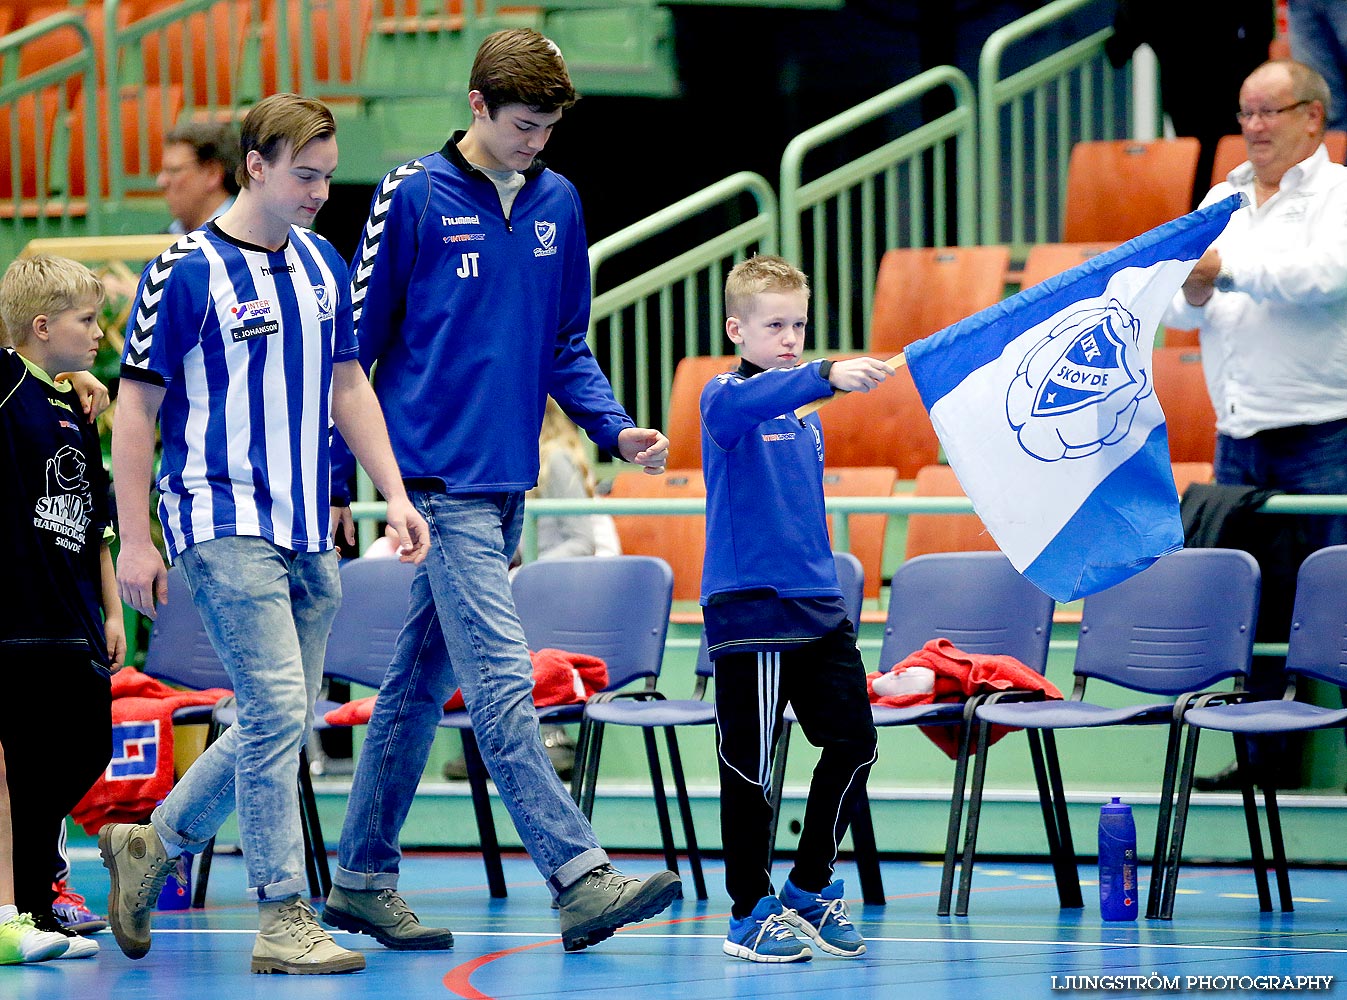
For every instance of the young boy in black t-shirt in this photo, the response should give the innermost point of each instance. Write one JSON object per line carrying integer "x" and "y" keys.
{"x": 61, "y": 631}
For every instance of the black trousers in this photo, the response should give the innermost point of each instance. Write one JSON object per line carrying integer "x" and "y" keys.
{"x": 825, "y": 682}
{"x": 56, "y": 730}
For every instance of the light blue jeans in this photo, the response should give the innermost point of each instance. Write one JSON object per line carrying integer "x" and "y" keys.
{"x": 268, "y": 612}
{"x": 1319, "y": 39}
{"x": 462, "y": 631}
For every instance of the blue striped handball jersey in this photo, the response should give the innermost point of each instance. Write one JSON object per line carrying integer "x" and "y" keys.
{"x": 243, "y": 340}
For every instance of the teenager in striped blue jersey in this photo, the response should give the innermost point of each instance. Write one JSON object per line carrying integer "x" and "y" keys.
{"x": 776, "y": 625}
{"x": 242, "y": 348}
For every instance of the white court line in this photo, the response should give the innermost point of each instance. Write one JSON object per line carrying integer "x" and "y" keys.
{"x": 1016, "y": 942}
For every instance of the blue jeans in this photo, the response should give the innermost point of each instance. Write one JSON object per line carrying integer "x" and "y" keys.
{"x": 1319, "y": 39}
{"x": 268, "y": 612}
{"x": 462, "y": 631}
{"x": 1306, "y": 458}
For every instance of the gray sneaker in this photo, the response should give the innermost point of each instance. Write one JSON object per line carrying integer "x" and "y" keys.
{"x": 605, "y": 900}
{"x": 290, "y": 941}
{"x": 385, "y": 916}
{"x": 138, "y": 864}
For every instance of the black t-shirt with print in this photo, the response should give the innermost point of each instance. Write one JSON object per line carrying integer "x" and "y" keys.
{"x": 53, "y": 513}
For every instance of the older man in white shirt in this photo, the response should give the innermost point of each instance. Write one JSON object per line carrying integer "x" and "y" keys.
{"x": 1270, "y": 300}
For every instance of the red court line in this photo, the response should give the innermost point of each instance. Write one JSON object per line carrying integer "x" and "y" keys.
{"x": 458, "y": 979}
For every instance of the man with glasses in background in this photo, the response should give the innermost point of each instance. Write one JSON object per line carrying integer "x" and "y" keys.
{"x": 1270, "y": 300}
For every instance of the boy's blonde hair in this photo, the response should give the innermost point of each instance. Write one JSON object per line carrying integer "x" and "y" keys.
{"x": 762, "y": 273}
{"x": 278, "y": 121}
{"x": 42, "y": 285}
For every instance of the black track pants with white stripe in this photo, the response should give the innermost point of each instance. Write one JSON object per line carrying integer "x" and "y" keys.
{"x": 825, "y": 682}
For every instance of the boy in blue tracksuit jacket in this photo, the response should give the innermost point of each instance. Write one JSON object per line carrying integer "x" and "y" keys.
{"x": 776, "y": 625}
{"x": 471, "y": 293}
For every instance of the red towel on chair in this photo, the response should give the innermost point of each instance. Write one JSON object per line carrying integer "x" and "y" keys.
{"x": 959, "y": 675}
{"x": 559, "y": 678}
{"x": 140, "y": 773}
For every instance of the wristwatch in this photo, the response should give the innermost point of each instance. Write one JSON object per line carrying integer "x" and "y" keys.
{"x": 1225, "y": 280}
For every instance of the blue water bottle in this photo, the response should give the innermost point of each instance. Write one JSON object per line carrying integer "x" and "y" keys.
{"x": 1117, "y": 862}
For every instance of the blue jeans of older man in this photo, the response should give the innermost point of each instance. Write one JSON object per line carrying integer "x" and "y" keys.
{"x": 268, "y": 612}
{"x": 462, "y": 631}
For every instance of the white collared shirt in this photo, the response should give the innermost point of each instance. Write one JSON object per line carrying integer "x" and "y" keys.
{"x": 1274, "y": 348}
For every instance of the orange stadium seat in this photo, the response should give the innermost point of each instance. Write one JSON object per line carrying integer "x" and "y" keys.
{"x": 944, "y": 532}
{"x": 680, "y": 540}
{"x": 1117, "y": 189}
{"x": 1047, "y": 259}
{"x": 29, "y": 144}
{"x": 1189, "y": 416}
{"x": 215, "y": 40}
{"x": 684, "y": 424}
{"x": 866, "y": 530}
{"x": 1172, "y": 337}
{"x": 888, "y": 426}
{"x": 919, "y": 291}
{"x": 147, "y": 113}
{"x": 352, "y": 19}
{"x": 1187, "y": 473}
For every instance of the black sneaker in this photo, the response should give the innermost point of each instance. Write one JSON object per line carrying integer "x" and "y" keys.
{"x": 605, "y": 899}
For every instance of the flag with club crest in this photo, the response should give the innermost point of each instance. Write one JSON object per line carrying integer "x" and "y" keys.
{"x": 1047, "y": 412}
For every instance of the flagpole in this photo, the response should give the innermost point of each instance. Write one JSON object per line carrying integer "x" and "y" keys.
{"x": 808, "y": 408}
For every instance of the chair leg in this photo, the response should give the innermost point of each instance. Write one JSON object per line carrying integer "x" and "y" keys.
{"x": 593, "y": 750}
{"x": 970, "y": 836}
{"x": 685, "y": 811}
{"x": 1274, "y": 829}
{"x": 1251, "y": 824}
{"x": 1182, "y": 801}
{"x": 581, "y": 761}
{"x": 956, "y": 797}
{"x": 315, "y": 849}
{"x": 1058, "y": 821}
{"x": 867, "y": 854}
{"x": 203, "y": 863}
{"x": 778, "y": 781}
{"x": 661, "y": 800}
{"x": 486, "y": 822}
{"x": 1163, "y": 820}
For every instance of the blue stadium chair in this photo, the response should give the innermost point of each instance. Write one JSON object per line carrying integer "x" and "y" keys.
{"x": 375, "y": 595}
{"x": 980, "y": 603}
{"x": 613, "y": 607}
{"x": 1182, "y": 624}
{"x": 181, "y": 653}
{"x": 1317, "y": 649}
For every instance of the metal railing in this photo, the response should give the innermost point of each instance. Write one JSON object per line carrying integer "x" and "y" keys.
{"x": 1028, "y": 121}
{"x": 642, "y": 325}
{"x": 37, "y": 119}
{"x": 905, "y": 191}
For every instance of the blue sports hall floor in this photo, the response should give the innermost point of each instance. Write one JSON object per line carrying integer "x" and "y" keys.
{"x": 1014, "y": 943}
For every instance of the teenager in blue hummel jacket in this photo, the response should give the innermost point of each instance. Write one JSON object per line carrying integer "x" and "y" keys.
{"x": 471, "y": 292}
{"x": 776, "y": 624}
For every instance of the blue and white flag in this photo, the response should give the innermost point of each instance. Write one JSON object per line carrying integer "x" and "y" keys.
{"x": 1047, "y": 412}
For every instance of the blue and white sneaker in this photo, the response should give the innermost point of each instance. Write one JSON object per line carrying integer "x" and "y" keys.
{"x": 765, "y": 936}
{"x": 823, "y": 917}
